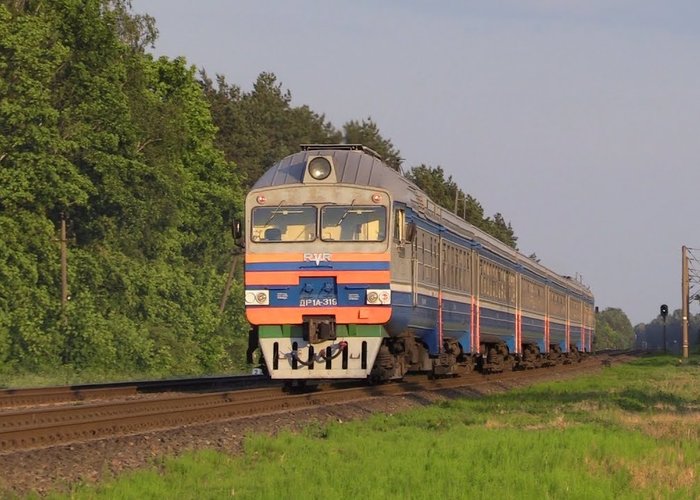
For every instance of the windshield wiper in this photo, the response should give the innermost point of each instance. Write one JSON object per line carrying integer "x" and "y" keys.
{"x": 274, "y": 213}
{"x": 347, "y": 211}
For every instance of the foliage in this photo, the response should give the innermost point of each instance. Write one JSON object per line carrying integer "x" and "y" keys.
{"x": 367, "y": 133}
{"x": 613, "y": 330}
{"x": 259, "y": 127}
{"x": 447, "y": 194}
{"x": 124, "y": 145}
{"x": 651, "y": 336}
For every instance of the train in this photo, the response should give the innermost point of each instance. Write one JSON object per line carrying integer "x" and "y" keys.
{"x": 353, "y": 272}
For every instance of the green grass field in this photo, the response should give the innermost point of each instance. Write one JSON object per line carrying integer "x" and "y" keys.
{"x": 631, "y": 432}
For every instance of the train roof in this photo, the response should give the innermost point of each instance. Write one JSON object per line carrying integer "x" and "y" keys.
{"x": 354, "y": 164}
{"x": 357, "y": 164}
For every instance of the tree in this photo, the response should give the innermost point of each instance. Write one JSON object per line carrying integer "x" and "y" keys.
{"x": 367, "y": 134}
{"x": 432, "y": 181}
{"x": 447, "y": 194}
{"x": 613, "y": 330}
{"x": 37, "y": 179}
{"x": 650, "y": 336}
{"x": 258, "y": 128}
{"x": 124, "y": 144}
{"x": 501, "y": 229}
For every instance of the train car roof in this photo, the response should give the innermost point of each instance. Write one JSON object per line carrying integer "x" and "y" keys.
{"x": 357, "y": 164}
{"x": 354, "y": 164}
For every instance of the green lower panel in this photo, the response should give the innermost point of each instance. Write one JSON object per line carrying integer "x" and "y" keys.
{"x": 288, "y": 331}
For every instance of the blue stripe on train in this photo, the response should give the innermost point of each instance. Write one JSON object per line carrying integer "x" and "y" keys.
{"x": 320, "y": 292}
{"x": 422, "y": 320}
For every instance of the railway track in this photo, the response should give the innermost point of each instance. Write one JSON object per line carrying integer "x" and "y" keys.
{"x": 36, "y": 396}
{"x": 30, "y": 428}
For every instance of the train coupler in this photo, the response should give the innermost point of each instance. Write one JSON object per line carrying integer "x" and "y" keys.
{"x": 318, "y": 329}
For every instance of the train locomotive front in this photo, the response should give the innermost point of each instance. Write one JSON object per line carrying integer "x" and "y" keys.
{"x": 351, "y": 271}
{"x": 317, "y": 277}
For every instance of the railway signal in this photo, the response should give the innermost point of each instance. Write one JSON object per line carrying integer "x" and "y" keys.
{"x": 664, "y": 312}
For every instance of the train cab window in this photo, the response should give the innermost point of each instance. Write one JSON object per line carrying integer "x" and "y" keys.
{"x": 353, "y": 223}
{"x": 283, "y": 224}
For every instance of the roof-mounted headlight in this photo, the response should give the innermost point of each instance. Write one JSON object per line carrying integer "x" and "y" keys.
{"x": 319, "y": 168}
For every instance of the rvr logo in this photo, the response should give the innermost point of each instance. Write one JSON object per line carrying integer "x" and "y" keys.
{"x": 317, "y": 257}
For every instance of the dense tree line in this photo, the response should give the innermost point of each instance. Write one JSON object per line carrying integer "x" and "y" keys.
{"x": 124, "y": 145}
{"x": 447, "y": 194}
{"x": 149, "y": 162}
{"x": 667, "y": 334}
{"x": 613, "y": 330}
{"x": 259, "y": 127}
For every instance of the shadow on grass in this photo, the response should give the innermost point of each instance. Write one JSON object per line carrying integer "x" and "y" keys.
{"x": 634, "y": 400}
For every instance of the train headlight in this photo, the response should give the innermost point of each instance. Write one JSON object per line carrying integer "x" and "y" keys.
{"x": 319, "y": 168}
{"x": 375, "y": 297}
{"x": 257, "y": 298}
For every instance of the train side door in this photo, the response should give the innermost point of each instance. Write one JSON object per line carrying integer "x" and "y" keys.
{"x": 403, "y": 254}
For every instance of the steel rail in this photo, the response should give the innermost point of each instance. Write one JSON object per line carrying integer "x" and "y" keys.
{"x": 46, "y": 395}
{"x": 44, "y": 427}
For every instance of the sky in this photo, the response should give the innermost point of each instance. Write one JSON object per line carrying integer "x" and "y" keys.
{"x": 578, "y": 120}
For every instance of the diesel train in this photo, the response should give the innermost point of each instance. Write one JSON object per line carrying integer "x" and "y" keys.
{"x": 351, "y": 271}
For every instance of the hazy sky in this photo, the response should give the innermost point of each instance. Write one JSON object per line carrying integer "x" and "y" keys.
{"x": 578, "y": 120}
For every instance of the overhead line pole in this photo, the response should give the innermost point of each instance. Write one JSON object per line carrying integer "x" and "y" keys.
{"x": 685, "y": 299}
{"x": 65, "y": 294}
{"x": 64, "y": 263}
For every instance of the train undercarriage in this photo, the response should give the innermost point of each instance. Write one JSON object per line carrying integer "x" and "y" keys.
{"x": 496, "y": 358}
{"x": 391, "y": 358}
{"x": 400, "y": 355}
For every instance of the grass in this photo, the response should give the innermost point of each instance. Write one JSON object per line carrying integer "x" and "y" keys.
{"x": 632, "y": 432}
{"x": 62, "y": 376}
